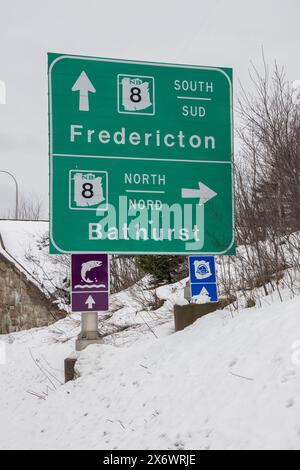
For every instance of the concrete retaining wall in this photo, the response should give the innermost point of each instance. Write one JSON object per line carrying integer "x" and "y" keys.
{"x": 22, "y": 304}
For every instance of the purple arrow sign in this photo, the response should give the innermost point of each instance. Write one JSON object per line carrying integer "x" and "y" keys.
{"x": 90, "y": 283}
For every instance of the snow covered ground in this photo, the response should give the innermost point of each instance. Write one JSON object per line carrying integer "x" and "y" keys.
{"x": 230, "y": 381}
{"x": 25, "y": 244}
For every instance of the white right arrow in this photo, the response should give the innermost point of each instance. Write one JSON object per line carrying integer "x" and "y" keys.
{"x": 84, "y": 85}
{"x": 90, "y": 302}
{"x": 204, "y": 193}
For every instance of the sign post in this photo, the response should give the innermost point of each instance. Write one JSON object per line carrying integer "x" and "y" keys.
{"x": 140, "y": 163}
{"x": 140, "y": 157}
{"x": 89, "y": 293}
{"x": 90, "y": 282}
{"x": 203, "y": 279}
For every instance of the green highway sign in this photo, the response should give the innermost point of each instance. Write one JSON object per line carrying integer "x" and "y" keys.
{"x": 140, "y": 157}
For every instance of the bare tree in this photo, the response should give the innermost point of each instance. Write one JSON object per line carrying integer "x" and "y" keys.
{"x": 30, "y": 208}
{"x": 270, "y": 136}
{"x": 124, "y": 272}
{"x": 267, "y": 188}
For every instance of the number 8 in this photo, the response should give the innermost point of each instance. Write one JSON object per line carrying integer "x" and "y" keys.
{"x": 136, "y": 95}
{"x": 87, "y": 190}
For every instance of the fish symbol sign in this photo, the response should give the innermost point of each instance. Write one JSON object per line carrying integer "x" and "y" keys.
{"x": 87, "y": 267}
{"x": 90, "y": 282}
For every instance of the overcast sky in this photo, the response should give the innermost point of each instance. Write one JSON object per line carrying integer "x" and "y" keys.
{"x": 203, "y": 32}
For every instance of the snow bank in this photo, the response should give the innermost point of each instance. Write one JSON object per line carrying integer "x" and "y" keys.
{"x": 22, "y": 246}
{"x": 227, "y": 382}
{"x": 20, "y": 236}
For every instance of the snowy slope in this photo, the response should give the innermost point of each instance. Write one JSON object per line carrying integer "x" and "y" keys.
{"x": 18, "y": 236}
{"x": 227, "y": 382}
{"x": 22, "y": 246}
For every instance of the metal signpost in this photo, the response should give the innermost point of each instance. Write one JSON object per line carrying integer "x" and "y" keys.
{"x": 203, "y": 278}
{"x": 140, "y": 157}
{"x": 140, "y": 163}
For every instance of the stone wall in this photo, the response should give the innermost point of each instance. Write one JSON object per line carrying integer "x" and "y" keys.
{"x": 22, "y": 304}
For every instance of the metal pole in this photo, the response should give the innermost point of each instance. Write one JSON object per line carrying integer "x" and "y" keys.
{"x": 17, "y": 192}
{"x": 89, "y": 325}
{"x": 89, "y": 331}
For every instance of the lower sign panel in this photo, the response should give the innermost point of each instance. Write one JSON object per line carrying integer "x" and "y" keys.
{"x": 90, "y": 302}
{"x": 139, "y": 206}
{"x": 208, "y": 291}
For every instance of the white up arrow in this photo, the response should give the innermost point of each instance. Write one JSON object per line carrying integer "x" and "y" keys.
{"x": 204, "y": 193}
{"x": 84, "y": 85}
{"x": 90, "y": 302}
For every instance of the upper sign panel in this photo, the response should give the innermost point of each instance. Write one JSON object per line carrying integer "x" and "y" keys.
{"x": 123, "y": 108}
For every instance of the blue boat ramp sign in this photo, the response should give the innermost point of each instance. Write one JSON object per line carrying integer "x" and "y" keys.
{"x": 203, "y": 279}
